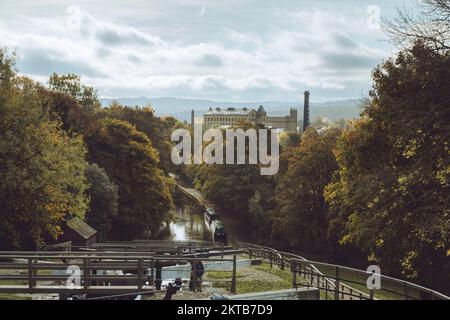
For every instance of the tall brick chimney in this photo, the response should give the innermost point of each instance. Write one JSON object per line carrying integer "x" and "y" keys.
{"x": 306, "y": 112}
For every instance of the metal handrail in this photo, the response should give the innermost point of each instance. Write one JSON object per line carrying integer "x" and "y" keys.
{"x": 332, "y": 280}
{"x": 316, "y": 271}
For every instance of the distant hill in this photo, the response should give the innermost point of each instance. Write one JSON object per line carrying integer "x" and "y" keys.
{"x": 181, "y": 108}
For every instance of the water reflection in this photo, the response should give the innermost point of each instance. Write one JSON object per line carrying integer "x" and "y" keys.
{"x": 187, "y": 224}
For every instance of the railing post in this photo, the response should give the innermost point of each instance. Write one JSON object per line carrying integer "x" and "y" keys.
{"x": 233, "y": 277}
{"x": 371, "y": 294}
{"x": 139, "y": 270}
{"x": 158, "y": 271}
{"x": 336, "y": 284}
{"x": 34, "y": 271}
{"x": 221, "y": 255}
{"x": 405, "y": 288}
{"x": 294, "y": 273}
{"x": 86, "y": 274}
{"x": 152, "y": 272}
{"x": 282, "y": 262}
{"x": 271, "y": 258}
{"x": 30, "y": 274}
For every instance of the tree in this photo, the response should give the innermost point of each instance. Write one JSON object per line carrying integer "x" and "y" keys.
{"x": 103, "y": 195}
{"x": 392, "y": 192}
{"x": 7, "y": 71}
{"x": 300, "y": 219}
{"x": 42, "y": 178}
{"x": 70, "y": 85}
{"x": 158, "y": 130}
{"x": 431, "y": 25}
{"x": 130, "y": 160}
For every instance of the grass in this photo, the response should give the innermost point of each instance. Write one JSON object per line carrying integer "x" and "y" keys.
{"x": 11, "y": 296}
{"x": 285, "y": 274}
{"x": 269, "y": 279}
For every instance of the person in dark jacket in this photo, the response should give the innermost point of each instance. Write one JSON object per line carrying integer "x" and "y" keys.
{"x": 199, "y": 271}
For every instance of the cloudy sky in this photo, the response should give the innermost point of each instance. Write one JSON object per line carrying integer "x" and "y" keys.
{"x": 233, "y": 50}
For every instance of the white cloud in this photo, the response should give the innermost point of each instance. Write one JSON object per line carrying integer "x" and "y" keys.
{"x": 311, "y": 50}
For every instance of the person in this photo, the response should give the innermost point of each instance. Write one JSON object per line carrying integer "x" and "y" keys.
{"x": 199, "y": 271}
{"x": 192, "y": 277}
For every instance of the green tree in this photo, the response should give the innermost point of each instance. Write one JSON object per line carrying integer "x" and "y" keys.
{"x": 300, "y": 218}
{"x": 158, "y": 130}
{"x": 103, "y": 196}
{"x": 392, "y": 191}
{"x": 130, "y": 160}
{"x": 42, "y": 178}
{"x": 70, "y": 85}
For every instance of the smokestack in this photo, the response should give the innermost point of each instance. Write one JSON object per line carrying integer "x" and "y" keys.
{"x": 306, "y": 112}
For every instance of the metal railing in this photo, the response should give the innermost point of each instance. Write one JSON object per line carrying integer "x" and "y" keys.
{"x": 339, "y": 282}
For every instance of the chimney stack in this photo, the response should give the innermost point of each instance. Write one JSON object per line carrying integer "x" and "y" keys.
{"x": 306, "y": 112}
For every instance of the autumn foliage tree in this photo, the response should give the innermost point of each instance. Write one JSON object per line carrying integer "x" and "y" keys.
{"x": 130, "y": 160}
{"x": 42, "y": 178}
{"x": 300, "y": 218}
{"x": 392, "y": 193}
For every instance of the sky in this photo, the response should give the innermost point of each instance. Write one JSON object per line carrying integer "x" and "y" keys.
{"x": 233, "y": 50}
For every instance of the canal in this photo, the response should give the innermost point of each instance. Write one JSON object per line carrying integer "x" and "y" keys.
{"x": 187, "y": 223}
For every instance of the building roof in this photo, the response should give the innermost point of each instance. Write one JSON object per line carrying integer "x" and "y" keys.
{"x": 82, "y": 228}
{"x": 229, "y": 111}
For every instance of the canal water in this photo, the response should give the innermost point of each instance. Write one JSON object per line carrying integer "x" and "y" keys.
{"x": 188, "y": 223}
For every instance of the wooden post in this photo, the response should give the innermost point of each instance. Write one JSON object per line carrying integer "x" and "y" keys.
{"x": 371, "y": 294}
{"x": 282, "y": 262}
{"x": 271, "y": 258}
{"x": 30, "y": 274}
{"x": 152, "y": 272}
{"x": 233, "y": 277}
{"x": 336, "y": 284}
{"x": 34, "y": 272}
{"x": 86, "y": 274}
{"x": 222, "y": 251}
{"x": 158, "y": 274}
{"x": 139, "y": 270}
